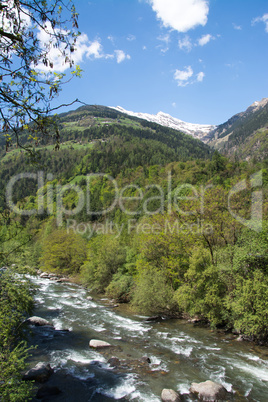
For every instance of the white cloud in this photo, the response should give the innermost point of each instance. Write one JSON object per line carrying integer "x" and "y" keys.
{"x": 186, "y": 77}
{"x": 200, "y": 76}
{"x": 165, "y": 39}
{"x": 182, "y": 76}
{"x": 111, "y": 38}
{"x": 94, "y": 50}
{"x": 131, "y": 37}
{"x": 121, "y": 56}
{"x": 181, "y": 15}
{"x": 174, "y": 104}
{"x": 237, "y": 27}
{"x": 185, "y": 43}
{"x": 264, "y": 19}
{"x": 84, "y": 48}
{"x": 205, "y": 39}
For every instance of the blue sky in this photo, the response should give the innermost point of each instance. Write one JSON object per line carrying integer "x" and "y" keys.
{"x": 200, "y": 61}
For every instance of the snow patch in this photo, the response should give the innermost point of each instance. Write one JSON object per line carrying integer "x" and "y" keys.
{"x": 195, "y": 130}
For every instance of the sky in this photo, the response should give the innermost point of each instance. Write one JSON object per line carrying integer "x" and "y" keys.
{"x": 200, "y": 61}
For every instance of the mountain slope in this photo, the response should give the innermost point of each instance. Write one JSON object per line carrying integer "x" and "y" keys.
{"x": 164, "y": 119}
{"x": 89, "y": 123}
{"x": 244, "y": 134}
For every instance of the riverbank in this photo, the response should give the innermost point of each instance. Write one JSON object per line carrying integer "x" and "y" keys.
{"x": 196, "y": 321}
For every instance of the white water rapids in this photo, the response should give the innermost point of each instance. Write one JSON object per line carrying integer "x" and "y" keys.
{"x": 180, "y": 353}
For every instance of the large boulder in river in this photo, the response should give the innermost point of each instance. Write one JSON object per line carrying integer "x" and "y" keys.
{"x": 209, "y": 391}
{"x": 38, "y": 321}
{"x": 41, "y": 373}
{"x": 169, "y": 395}
{"x": 95, "y": 343}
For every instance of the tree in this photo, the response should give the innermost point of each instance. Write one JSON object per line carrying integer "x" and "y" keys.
{"x": 63, "y": 252}
{"x": 104, "y": 258}
{"x": 16, "y": 303}
{"x": 31, "y": 31}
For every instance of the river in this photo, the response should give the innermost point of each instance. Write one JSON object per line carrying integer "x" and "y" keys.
{"x": 179, "y": 352}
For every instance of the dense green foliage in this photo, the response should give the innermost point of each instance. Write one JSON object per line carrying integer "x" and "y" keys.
{"x": 193, "y": 259}
{"x": 63, "y": 252}
{"x": 15, "y": 304}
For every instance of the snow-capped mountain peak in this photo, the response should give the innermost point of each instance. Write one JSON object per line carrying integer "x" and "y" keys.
{"x": 196, "y": 130}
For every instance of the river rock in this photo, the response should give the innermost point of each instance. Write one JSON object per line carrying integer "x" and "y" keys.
{"x": 44, "y": 275}
{"x": 114, "y": 361}
{"x": 155, "y": 318}
{"x": 46, "y": 391}
{"x": 41, "y": 373}
{"x": 89, "y": 298}
{"x": 63, "y": 280}
{"x": 209, "y": 391}
{"x": 169, "y": 395}
{"x": 95, "y": 343}
{"x": 38, "y": 322}
{"x": 145, "y": 359}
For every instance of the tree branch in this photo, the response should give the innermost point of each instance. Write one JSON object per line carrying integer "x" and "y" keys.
{"x": 14, "y": 38}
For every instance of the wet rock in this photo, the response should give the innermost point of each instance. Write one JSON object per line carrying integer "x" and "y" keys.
{"x": 154, "y": 318}
{"x": 44, "y": 275}
{"x": 145, "y": 359}
{"x": 40, "y": 373}
{"x": 168, "y": 395}
{"x": 242, "y": 338}
{"x": 195, "y": 320}
{"x": 95, "y": 343}
{"x": 114, "y": 361}
{"x": 38, "y": 322}
{"x": 89, "y": 298}
{"x": 46, "y": 391}
{"x": 209, "y": 391}
{"x": 63, "y": 280}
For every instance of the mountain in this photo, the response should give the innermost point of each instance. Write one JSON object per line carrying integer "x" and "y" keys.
{"x": 98, "y": 139}
{"x": 91, "y": 123}
{"x": 244, "y": 134}
{"x": 195, "y": 130}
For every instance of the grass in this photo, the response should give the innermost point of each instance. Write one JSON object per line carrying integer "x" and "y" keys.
{"x": 68, "y": 144}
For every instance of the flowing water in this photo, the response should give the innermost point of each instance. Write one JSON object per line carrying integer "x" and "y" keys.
{"x": 179, "y": 352}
